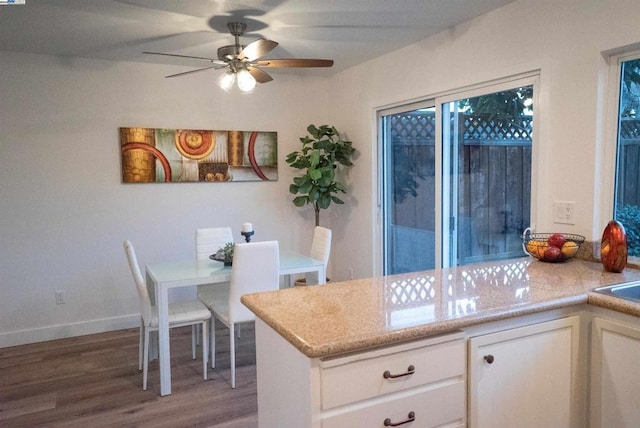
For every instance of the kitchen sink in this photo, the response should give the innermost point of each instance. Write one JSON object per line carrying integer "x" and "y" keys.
{"x": 628, "y": 291}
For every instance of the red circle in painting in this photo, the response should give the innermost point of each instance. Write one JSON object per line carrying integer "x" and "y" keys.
{"x": 193, "y": 144}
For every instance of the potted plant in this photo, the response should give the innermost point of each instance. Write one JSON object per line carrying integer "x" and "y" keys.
{"x": 225, "y": 253}
{"x": 323, "y": 152}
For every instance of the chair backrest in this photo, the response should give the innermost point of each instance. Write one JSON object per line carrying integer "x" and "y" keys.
{"x": 321, "y": 244}
{"x": 256, "y": 268}
{"x": 138, "y": 279}
{"x": 209, "y": 240}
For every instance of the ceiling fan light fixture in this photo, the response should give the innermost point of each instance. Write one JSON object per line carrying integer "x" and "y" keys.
{"x": 226, "y": 80}
{"x": 246, "y": 82}
{"x": 243, "y": 62}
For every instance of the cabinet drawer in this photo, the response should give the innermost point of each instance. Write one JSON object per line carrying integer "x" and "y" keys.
{"x": 363, "y": 379}
{"x": 431, "y": 407}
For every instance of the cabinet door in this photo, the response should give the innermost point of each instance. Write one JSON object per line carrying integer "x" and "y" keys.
{"x": 615, "y": 374}
{"x": 524, "y": 377}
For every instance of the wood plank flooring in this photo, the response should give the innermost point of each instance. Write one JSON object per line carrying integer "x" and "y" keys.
{"x": 93, "y": 381}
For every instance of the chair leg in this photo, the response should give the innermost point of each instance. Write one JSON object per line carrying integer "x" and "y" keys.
{"x": 232, "y": 348}
{"x": 194, "y": 334}
{"x": 213, "y": 342}
{"x": 145, "y": 364}
{"x": 238, "y": 331}
{"x": 197, "y": 334}
{"x": 140, "y": 345}
{"x": 205, "y": 348}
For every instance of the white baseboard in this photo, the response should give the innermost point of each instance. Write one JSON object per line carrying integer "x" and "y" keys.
{"x": 22, "y": 337}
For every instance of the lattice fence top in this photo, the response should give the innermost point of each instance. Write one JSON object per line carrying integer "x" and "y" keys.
{"x": 480, "y": 128}
{"x": 413, "y": 128}
{"x": 416, "y": 129}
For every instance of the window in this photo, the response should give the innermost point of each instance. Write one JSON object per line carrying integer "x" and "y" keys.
{"x": 627, "y": 182}
{"x": 456, "y": 177}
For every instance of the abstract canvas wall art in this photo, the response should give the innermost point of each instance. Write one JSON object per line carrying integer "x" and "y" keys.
{"x": 156, "y": 155}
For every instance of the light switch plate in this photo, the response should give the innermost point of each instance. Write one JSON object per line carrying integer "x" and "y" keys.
{"x": 564, "y": 212}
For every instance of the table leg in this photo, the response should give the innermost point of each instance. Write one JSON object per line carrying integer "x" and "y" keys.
{"x": 163, "y": 339}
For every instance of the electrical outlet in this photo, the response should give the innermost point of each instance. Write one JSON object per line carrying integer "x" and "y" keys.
{"x": 564, "y": 212}
{"x": 60, "y": 297}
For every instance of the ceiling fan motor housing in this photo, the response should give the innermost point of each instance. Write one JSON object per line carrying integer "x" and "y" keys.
{"x": 229, "y": 52}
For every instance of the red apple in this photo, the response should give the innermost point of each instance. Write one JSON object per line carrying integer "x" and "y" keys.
{"x": 556, "y": 240}
{"x": 553, "y": 254}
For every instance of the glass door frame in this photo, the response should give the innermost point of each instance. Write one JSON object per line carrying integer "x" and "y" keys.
{"x": 384, "y": 182}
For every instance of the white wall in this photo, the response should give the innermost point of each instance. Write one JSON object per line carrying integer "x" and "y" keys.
{"x": 65, "y": 212}
{"x": 564, "y": 39}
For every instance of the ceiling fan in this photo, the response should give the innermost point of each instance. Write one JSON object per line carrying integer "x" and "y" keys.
{"x": 244, "y": 63}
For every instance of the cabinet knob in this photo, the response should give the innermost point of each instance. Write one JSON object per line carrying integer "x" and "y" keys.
{"x": 410, "y": 370}
{"x": 489, "y": 359}
{"x": 410, "y": 418}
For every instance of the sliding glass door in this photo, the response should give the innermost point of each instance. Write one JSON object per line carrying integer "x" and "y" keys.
{"x": 487, "y": 143}
{"x": 456, "y": 178}
{"x": 409, "y": 189}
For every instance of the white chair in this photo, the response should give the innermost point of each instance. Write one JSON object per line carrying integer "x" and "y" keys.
{"x": 180, "y": 314}
{"x": 256, "y": 268}
{"x": 320, "y": 250}
{"x": 208, "y": 241}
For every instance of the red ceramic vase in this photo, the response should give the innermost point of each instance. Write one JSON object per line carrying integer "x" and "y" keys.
{"x": 613, "y": 248}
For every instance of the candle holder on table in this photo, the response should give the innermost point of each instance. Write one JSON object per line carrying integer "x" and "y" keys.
{"x": 248, "y": 235}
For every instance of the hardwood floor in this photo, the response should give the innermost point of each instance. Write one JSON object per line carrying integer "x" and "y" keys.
{"x": 93, "y": 381}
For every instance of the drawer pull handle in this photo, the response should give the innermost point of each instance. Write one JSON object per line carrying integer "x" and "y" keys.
{"x": 410, "y": 418}
{"x": 489, "y": 359}
{"x": 410, "y": 370}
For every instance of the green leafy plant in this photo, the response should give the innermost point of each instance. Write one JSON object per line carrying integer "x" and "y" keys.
{"x": 226, "y": 252}
{"x": 323, "y": 152}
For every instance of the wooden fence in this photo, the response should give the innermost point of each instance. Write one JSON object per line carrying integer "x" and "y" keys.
{"x": 494, "y": 184}
{"x": 493, "y": 180}
{"x": 628, "y": 188}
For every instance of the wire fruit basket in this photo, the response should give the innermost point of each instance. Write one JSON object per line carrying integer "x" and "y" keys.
{"x": 551, "y": 247}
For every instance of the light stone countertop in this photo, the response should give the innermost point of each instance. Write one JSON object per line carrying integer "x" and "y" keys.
{"x": 341, "y": 317}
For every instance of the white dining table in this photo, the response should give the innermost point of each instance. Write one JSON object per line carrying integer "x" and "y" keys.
{"x": 191, "y": 272}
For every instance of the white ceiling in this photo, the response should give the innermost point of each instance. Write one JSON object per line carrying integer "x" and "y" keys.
{"x": 348, "y": 31}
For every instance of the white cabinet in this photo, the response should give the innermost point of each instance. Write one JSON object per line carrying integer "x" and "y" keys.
{"x": 615, "y": 371}
{"x": 524, "y": 377}
{"x": 422, "y": 383}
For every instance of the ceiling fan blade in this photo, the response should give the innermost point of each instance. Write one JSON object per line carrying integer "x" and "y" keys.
{"x": 261, "y": 76}
{"x": 217, "y": 67}
{"x": 294, "y": 62}
{"x": 215, "y": 61}
{"x": 257, "y": 49}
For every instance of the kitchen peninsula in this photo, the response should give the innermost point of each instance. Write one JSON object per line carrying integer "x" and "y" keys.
{"x": 431, "y": 346}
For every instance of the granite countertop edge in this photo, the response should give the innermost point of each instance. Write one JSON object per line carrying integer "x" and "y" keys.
{"x": 373, "y": 339}
{"x": 416, "y": 332}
